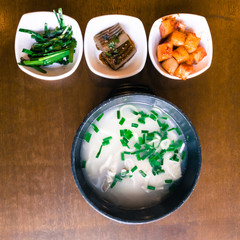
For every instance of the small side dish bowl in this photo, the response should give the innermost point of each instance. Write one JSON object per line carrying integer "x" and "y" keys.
{"x": 133, "y": 27}
{"x": 35, "y": 21}
{"x": 195, "y": 23}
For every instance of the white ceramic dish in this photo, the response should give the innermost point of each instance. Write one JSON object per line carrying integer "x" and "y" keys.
{"x": 197, "y": 24}
{"x": 133, "y": 27}
{"x": 35, "y": 21}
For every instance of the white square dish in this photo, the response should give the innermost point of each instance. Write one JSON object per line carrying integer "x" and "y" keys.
{"x": 133, "y": 27}
{"x": 195, "y": 23}
{"x": 35, "y": 21}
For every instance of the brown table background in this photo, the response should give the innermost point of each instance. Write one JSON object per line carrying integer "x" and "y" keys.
{"x": 38, "y": 121}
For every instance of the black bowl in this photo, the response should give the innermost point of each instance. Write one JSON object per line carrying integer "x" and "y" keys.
{"x": 174, "y": 200}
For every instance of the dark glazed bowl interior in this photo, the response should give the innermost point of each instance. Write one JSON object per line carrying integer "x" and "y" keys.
{"x": 175, "y": 199}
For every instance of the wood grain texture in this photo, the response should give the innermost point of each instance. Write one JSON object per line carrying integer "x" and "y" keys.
{"x": 38, "y": 121}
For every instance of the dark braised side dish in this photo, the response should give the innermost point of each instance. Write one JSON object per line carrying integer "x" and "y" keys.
{"x": 116, "y": 46}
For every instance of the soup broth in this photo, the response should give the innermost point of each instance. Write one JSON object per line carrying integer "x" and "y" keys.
{"x": 133, "y": 155}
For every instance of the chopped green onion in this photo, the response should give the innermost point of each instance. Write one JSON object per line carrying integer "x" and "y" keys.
{"x": 118, "y": 114}
{"x": 107, "y": 138}
{"x": 99, "y": 152}
{"x": 174, "y": 158}
{"x": 122, "y": 156}
{"x": 106, "y": 142}
{"x": 83, "y": 165}
{"x": 134, "y": 112}
{"x": 137, "y": 146}
{"x": 121, "y": 133}
{"x": 142, "y": 173}
{"x": 165, "y": 118}
{"x": 159, "y": 123}
{"x": 143, "y": 114}
{"x": 122, "y": 121}
{"x": 130, "y": 176}
{"x": 95, "y": 128}
{"x": 144, "y": 138}
{"x": 148, "y": 154}
{"x": 134, "y": 125}
{"x": 153, "y": 117}
{"x": 164, "y": 126}
{"x": 153, "y": 112}
{"x": 147, "y": 146}
{"x": 124, "y": 143}
{"x": 113, "y": 184}
{"x": 168, "y": 181}
{"x": 144, "y": 131}
{"x": 125, "y": 140}
{"x": 178, "y": 131}
{"x": 183, "y": 155}
{"x": 150, "y": 187}
{"x": 140, "y": 140}
{"x": 138, "y": 156}
{"x": 157, "y": 170}
{"x": 134, "y": 169}
{"x": 128, "y": 134}
{"x": 150, "y": 136}
{"x": 87, "y": 136}
{"x": 174, "y": 145}
{"x": 100, "y": 116}
{"x": 141, "y": 120}
{"x": 117, "y": 178}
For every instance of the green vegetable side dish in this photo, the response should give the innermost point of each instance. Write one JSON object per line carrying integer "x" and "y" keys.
{"x": 56, "y": 46}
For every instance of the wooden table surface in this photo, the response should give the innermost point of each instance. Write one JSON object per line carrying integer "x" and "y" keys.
{"x": 38, "y": 120}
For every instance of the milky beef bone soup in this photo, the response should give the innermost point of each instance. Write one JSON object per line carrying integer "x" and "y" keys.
{"x": 133, "y": 155}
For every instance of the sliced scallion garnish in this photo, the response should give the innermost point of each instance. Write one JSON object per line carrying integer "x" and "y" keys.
{"x": 122, "y": 121}
{"x": 107, "y": 138}
{"x": 99, "y": 152}
{"x": 168, "y": 181}
{"x": 183, "y": 155}
{"x": 118, "y": 114}
{"x": 140, "y": 140}
{"x": 142, "y": 173}
{"x": 83, "y": 163}
{"x": 106, "y": 142}
{"x": 150, "y": 187}
{"x": 134, "y": 112}
{"x": 100, "y": 116}
{"x": 178, "y": 131}
{"x": 95, "y": 128}
{"x": 134, "y": 169}
{"x": 128, "y": 134}
{"x": 137, "y": 146}
{"x": 154, "y": 113}
{"x": 122, "y": 156}
{"x": 138, "y": 156}
{"x": 174, "y": 158}
{"x": 164, "y": 126}
{"x": 87, "y": 136}
{"x": 141, "y": 120}
{"x": 135, "y": 125}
